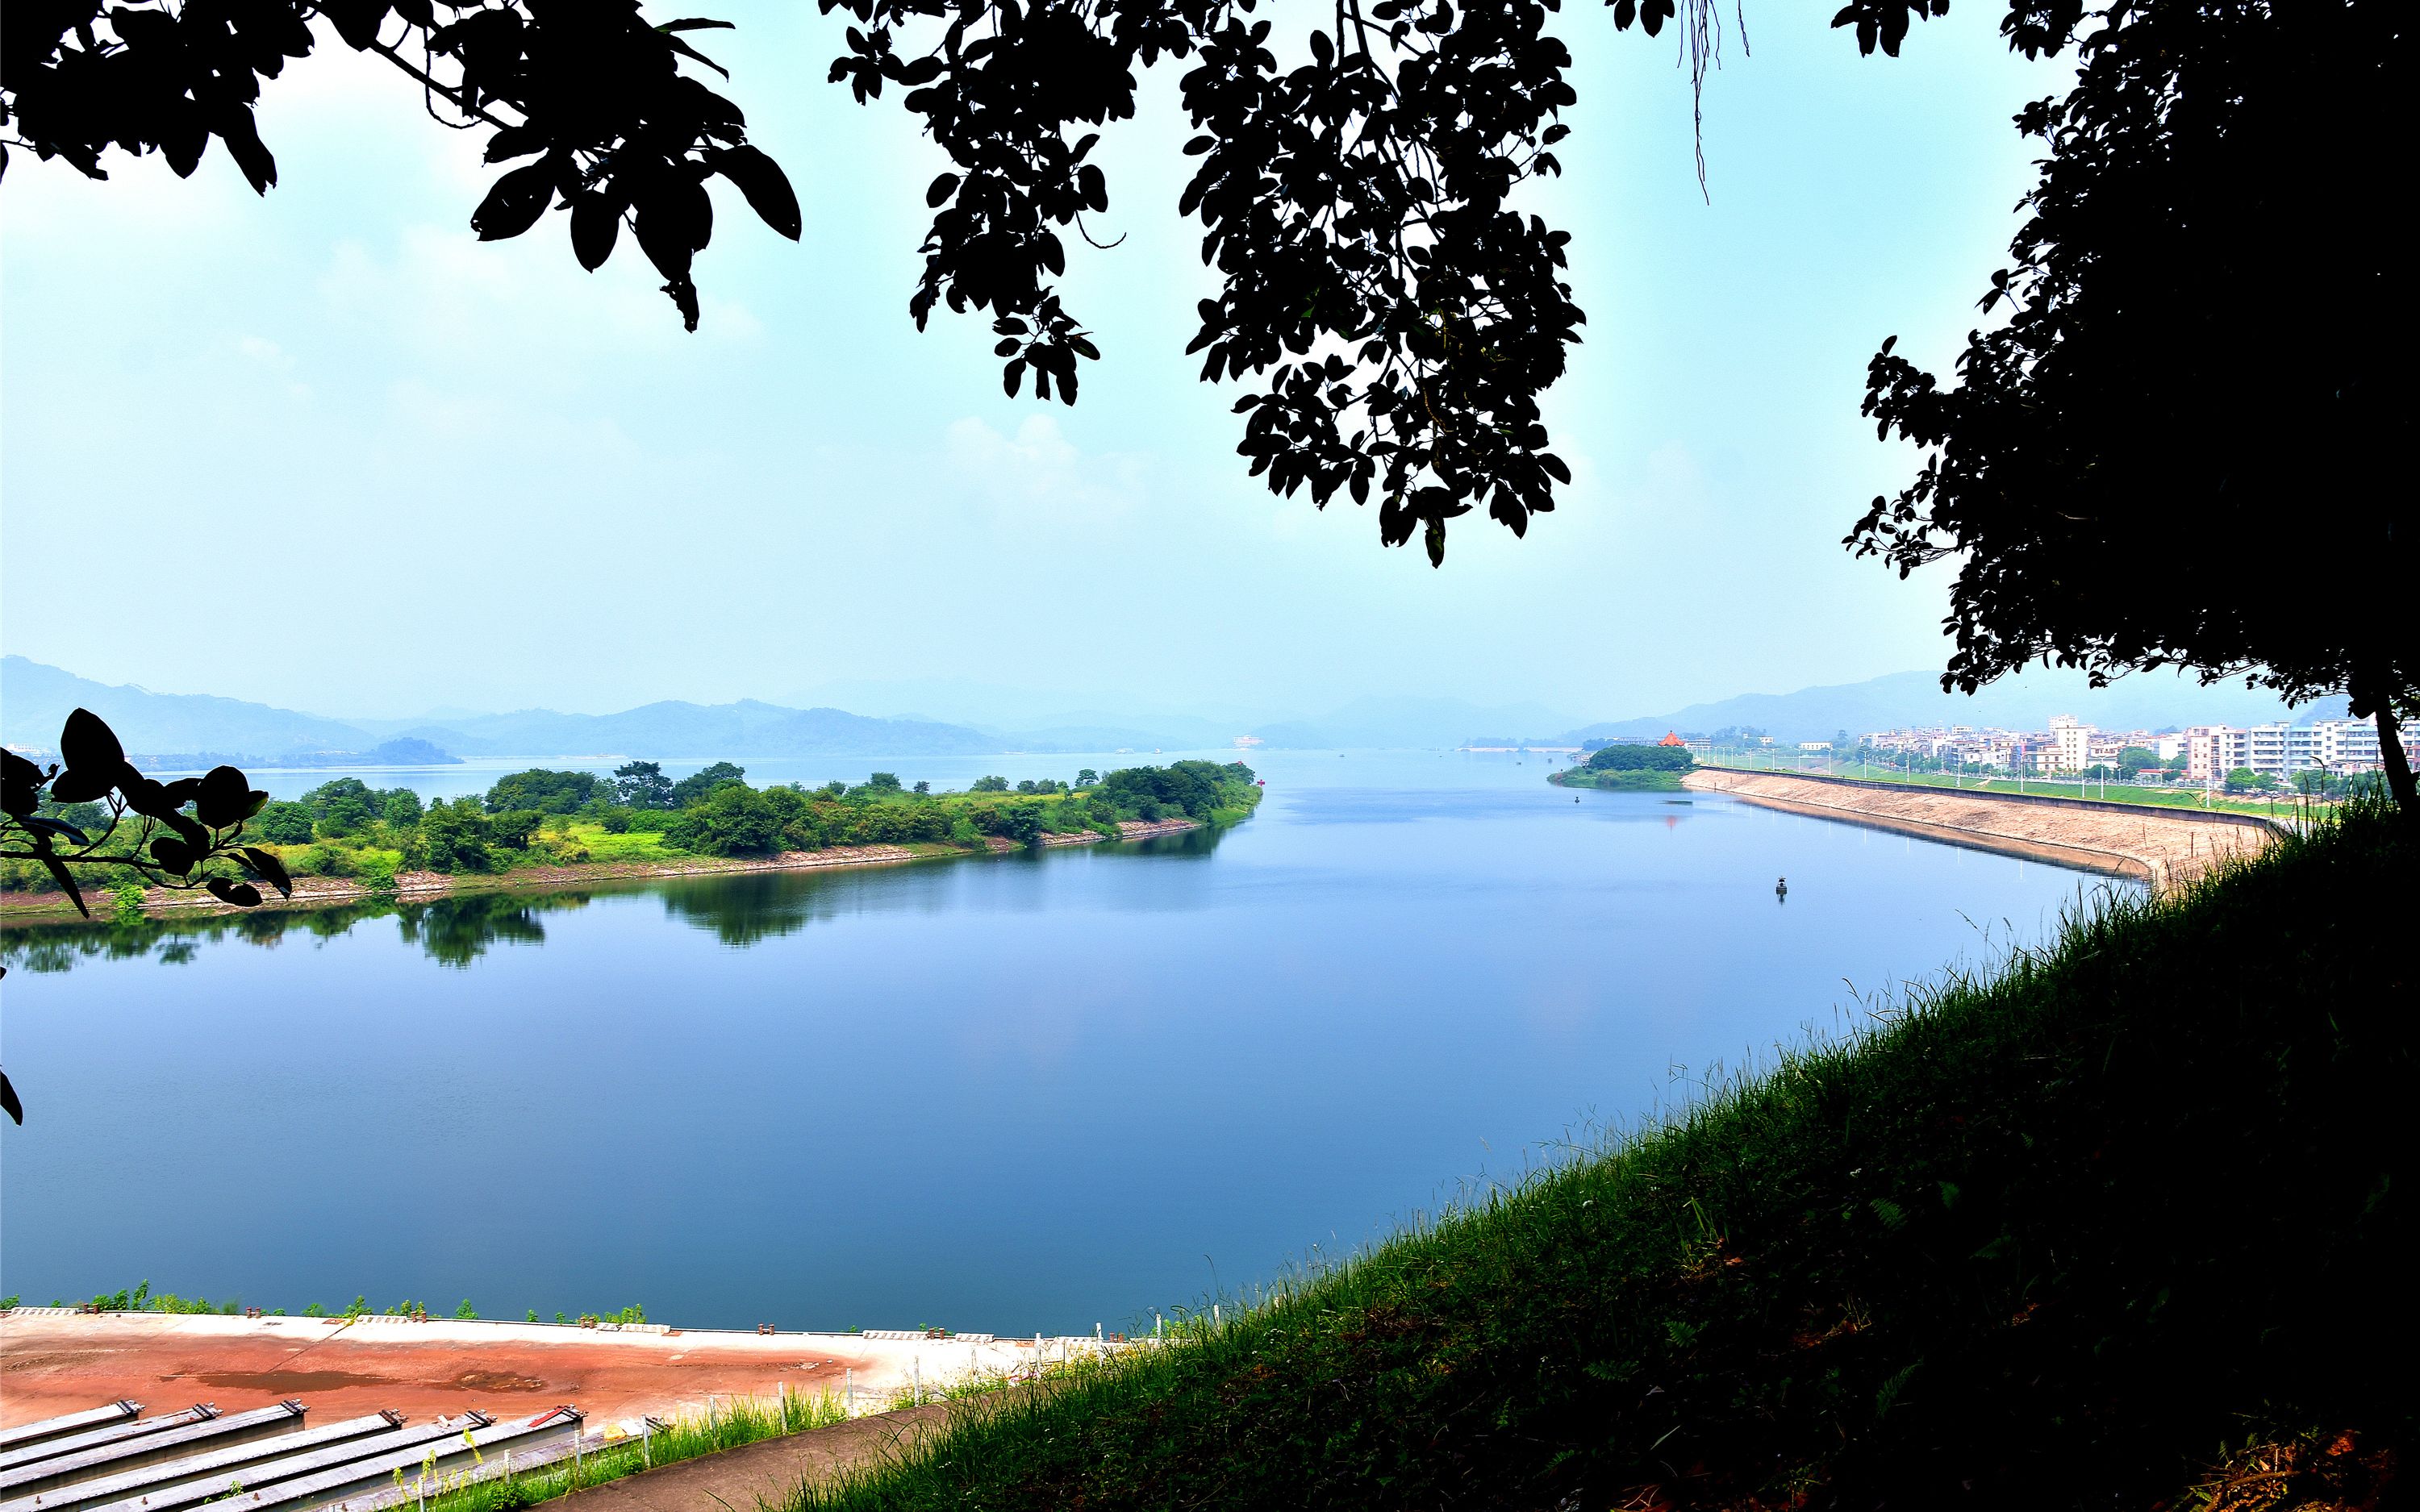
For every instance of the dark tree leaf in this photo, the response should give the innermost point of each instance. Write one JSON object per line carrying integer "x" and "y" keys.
{"x": 516, "y": 202}
{"x": 8, "y": 1103}
{"x": 595, "y": 225}
{"x": 224, "y": 798}
{"x": 144, "y": 796}
{"x": 242, "y": 894}
{"x": 59, "y": 873}
{"x": 186, "y": 829}
{"x": 515, "y": 142}
{"x": 86, "y": 743}
{"x": 174, "y": 856}
{"x": 54, "y": 826}
{"x": 86, "y": 784}
{"x": 767, "y": 187}
{"x": 356, "y": 20}
{"x": 269, "y": 868}
{"x": 21, "y": 785}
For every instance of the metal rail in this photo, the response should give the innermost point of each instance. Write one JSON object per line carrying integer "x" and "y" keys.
{"x": 157, "y": 1478}
{"x": 408, "y": 1442}
{"x": 311, "y": 1490}
{"x": 51, "y": 1428}
{"x": 102, "y": 1438}
{"x": 261, "y": 1422}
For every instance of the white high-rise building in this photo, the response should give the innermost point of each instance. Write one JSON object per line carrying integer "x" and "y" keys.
{"x": 2070, "y": 745}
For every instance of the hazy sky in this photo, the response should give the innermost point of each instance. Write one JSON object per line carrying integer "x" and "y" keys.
{"x": 326, "y": 450}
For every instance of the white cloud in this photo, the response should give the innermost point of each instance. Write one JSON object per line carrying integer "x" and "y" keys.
{"x": 1043, "y": 478}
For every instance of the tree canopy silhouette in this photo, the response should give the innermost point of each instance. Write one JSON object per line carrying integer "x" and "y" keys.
{"x": 2205, "y": 356}
{"x": 1398, "y": 317}
{"x": 2200, "y": 333}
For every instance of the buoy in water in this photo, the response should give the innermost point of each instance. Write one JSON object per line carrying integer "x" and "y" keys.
{"x": 1781, "y": 888}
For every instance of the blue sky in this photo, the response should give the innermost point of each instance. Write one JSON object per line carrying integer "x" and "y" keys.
{"x": 362, "y": 464}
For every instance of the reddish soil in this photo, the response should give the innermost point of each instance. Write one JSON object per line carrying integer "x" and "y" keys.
{"x": 46, "y": 1372}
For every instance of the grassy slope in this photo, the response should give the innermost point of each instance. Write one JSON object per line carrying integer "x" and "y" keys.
{"x": 2068, "y": 1235}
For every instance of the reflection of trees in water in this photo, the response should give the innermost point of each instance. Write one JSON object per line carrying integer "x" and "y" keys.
{"x": 756, "y": 906}
{"x": 740, "y": 910}
{"x": 453, "y": 931}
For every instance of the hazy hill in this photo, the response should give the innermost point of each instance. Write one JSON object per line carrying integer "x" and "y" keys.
{"x": 747, "y": 728}
{"x": 34, "y": 700}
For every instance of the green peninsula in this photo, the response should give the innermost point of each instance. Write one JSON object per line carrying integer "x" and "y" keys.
{"x": 1639, "y": 768}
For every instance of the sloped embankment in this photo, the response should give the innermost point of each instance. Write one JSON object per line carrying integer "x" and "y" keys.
{"x": 2074, "y": 1232}
{"x": 2165, "y": 847}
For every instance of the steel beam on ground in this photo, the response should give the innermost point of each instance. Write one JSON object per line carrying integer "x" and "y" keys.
{"x": 255, "y": 1459}
{"x": 103, "y": 1437}
{"x": 216, "y": 1433}
{"x": 410, "y": 1443}
{"x": 498, "y": 1466}
{"x": 51, "y": 1428}
{"x": 311, "y": 1490}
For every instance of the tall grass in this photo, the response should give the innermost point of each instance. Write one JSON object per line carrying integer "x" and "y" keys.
{"x": 2054, "y": 1232}
{"x": 730, "y": 1424}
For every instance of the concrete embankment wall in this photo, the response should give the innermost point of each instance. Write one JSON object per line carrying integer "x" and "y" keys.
{"x": 2167, "y": 848}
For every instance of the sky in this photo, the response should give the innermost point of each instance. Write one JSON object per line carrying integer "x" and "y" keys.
{"x": 325, "y": 450}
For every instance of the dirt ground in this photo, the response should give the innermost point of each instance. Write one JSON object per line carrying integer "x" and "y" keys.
{"x": 760, "y": 1475}
{"x": 62, "y": 1363}
{"x": 2166, "y": 847}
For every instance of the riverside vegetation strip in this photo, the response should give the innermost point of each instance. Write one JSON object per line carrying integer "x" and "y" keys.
{"x": 345, "y": 839}
{"x": 1629, "y": 769}
{"x": 2124, "y": 1220}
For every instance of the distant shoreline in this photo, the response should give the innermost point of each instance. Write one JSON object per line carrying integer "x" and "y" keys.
{"x": 2168, "y": 848}
{"x": 423, "y": 887}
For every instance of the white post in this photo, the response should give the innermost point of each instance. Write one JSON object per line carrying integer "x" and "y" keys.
{"x": 646, "y": 1441}
{"x": 916, "y": 1396}
{"x": 848, "y": 1391}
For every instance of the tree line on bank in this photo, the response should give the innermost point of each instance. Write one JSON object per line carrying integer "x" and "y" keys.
{"x": 345, "y": 828}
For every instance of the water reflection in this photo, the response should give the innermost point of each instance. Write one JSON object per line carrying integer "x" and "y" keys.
{"x": 451, "y": 931}
{"x": 740, "y": 909}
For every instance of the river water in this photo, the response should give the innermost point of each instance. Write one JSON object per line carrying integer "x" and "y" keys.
{"x": 1008, "y": 1094}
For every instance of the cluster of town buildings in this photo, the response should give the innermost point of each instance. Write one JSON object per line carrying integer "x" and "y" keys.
{"x": 2210, "y": 752}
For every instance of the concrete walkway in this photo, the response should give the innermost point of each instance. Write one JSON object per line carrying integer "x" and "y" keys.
{"x": 2165, "y": 847}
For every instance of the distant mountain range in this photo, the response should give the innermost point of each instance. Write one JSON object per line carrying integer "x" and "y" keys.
{"x": 177, "y": 731}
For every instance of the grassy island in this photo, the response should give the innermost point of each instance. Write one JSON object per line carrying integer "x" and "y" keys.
{"x": 2125, "y": 1221}
{"x": 1630, "y": 769}
{"x": 555, "y": 827}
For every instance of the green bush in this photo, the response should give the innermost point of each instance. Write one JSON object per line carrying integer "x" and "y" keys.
{"x": 282, "y": 823}
{"x": 1641, "y": 757}
{"x": 551, "y": 793}
{"x": 734, "y": 820}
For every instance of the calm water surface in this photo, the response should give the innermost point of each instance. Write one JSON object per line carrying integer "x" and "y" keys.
{"x": 1006, "y": 1094}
